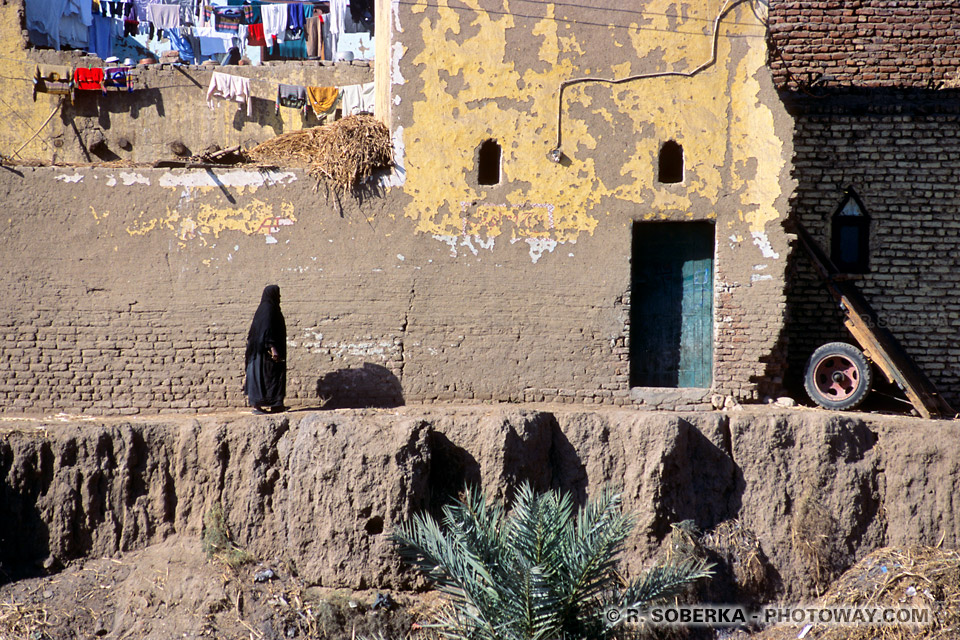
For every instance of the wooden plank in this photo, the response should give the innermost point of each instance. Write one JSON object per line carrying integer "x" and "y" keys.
{"x": 877, "y": 343}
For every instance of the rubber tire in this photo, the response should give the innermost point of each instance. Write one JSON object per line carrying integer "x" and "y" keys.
{"x": 854, "y": 356}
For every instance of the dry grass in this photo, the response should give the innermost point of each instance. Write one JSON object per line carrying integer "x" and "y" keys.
{"x": 343, "y": 154}
{"x": 922, "y": 577}
{"x": 740, "y": 548}
{"x": 217, "y": 541}
{"x": 812, "y": 534}
{"x": 23, "y": 620}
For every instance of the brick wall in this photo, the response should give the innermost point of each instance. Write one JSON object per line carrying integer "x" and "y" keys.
{"x": 102, "y": 317}
{"x": 865, "y": 43}
{"x": 900, "y": 151}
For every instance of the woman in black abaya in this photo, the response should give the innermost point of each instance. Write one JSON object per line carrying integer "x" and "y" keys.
{"x": 266, "y": 359}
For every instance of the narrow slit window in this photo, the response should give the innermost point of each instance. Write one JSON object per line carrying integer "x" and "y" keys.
{"x": 488, "y": 163}
{"x": 671, "y": 163}
{"x": 850, "y": 241}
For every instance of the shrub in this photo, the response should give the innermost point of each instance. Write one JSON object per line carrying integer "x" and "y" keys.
{"x": 545, "y": 570}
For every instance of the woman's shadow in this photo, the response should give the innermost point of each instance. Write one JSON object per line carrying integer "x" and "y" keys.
{"x": 371, "y": 385}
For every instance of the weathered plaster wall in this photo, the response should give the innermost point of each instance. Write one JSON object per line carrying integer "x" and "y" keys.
{"x": 480, "y": 70}
{"x": 130, "y": 289}
{"x": 169, "y": 105}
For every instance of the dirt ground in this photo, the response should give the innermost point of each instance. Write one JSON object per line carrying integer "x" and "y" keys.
{"x": 173, "y": 590}
{"x": 170, "y": 588}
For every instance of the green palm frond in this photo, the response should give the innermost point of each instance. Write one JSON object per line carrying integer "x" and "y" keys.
{"x": 664, "y": 581}
{"x": 541, "y": 572}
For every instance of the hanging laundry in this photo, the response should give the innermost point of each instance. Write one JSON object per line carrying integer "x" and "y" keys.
{"x": 117, "y": 79}
{"x": 164, "y": 16}
{"x": 186, "y": 12}
{"x": 213, "y": 46}
{"x": 131, "y": 26}
{"x": 56, "y": 79}
{"x": 43, "y": 22}
{"x": 294, "y": 21}
{"x": 312, "y": 31}
{"x": 88, "y": 79}
{"x": 274, "y": 21}
{"x": 251, "y": 13}
{"x": 228, "y": 87}
{"x": 357, "y": 98}
{"x": 255, "y": 35}
{"x": 323, "y": 100}
{"x": 141, "y": 11}
{"x": 100, "y": 41}
{"x": 53, "y": 73}
{"x": 75, "y": 23}
{"x": 338, "y": 8}
{"x": 181, "y": 41}
{"x": 227, "y": 19}
{"x": 292, "y": 96}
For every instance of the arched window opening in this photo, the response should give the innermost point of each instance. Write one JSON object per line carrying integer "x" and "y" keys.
{"x": 488, "y": 163}
{"x": 671, "y": 163}
{"x": 850, "y": 236}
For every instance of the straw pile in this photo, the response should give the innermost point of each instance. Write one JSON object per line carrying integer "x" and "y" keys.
{"x": 343, "y": 154}
{"x": 740, "y": 551}
{"x": 922, "y": 577}
{"x": 18, "y": 620}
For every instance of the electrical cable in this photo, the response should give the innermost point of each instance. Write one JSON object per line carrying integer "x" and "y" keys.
{"x": 556, "y": 153}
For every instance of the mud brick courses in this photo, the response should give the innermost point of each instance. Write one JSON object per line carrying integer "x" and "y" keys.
{"x": 865, "y": 43}
{"x": 900, "y": 151}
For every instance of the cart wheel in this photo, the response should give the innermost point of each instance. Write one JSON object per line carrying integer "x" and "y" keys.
{"x": 838, "y": 376}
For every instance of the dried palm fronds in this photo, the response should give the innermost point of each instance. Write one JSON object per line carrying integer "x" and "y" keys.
{"x": 343, "y": 153}
{"x": 922, "y": 577}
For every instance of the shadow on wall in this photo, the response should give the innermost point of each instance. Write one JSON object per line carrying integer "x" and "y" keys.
{"x": 24, "y": 536}
{"x": 371, "y": 385}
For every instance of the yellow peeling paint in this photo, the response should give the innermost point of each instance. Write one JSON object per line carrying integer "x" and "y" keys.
{"x": 204, "y": 220}
{"x": 728, "y": 136}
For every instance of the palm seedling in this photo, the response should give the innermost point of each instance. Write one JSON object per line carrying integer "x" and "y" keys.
{"x": 543, "y": 571}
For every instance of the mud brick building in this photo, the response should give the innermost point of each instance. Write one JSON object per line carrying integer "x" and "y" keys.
{"x": 588, "y": 207}
{"x": 870, "y": 88}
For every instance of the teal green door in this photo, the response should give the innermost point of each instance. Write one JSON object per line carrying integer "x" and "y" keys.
{"x": 671, "y": 304}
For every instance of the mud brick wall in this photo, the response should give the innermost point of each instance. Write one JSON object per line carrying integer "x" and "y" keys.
{"x": 131, "y": 288}
{"x": 137, "y": 314}
{"x": 865, "y": 43}
{"x": 900, "y": 151}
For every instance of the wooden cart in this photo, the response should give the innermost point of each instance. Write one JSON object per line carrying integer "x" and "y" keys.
{"x": 838, "y": 376}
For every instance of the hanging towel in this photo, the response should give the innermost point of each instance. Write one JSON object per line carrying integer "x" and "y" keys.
{"x": 141, "y": 11}
{"x": 311, "y": 31}
{"x": 322, "y": 100}
{"x": 50, "y": 78}
{"x": 294, "y": 21}
{"x": 292, "y": 96}
{"x": 164, "y": 16}
{"x": 88, "y": 79}
{"x": 338, "y": 10}
{"x": 116, "y": 78}
{"x": 228, "y": 19}
{"x": 274, "y": 21}
{"x": 181, "y": 42}
{"x": 357, "y": 98}
{"x": 212, "y": 46}
{"x": 251, "y": 13}
{"x": 186, "y": 12}
{"x": 235, "y": 88}
{"x": 100, "y": 40}
{"x": 255, "y": 35}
